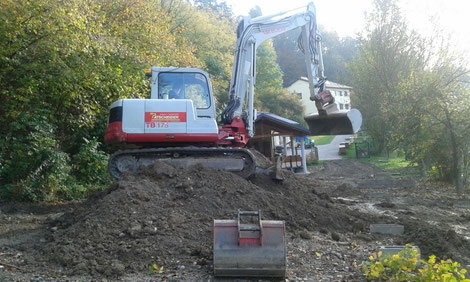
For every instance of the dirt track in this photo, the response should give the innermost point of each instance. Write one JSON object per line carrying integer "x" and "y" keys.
{"x": 164, "y": 216}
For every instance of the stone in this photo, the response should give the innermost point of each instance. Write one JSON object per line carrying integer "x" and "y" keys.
{"x": 392, "y": 229}
{"x": 118, "y": 268}
{"x": 394, "y": 250}
{"x": 305, "y": 235}
{"x": 335, "y": 236}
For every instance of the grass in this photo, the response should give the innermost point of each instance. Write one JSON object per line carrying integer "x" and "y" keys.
{"x": 395, "y": 164}
{"x": 322, "y": 140}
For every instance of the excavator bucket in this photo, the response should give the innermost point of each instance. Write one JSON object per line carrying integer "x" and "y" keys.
{"x": 334, "y": 123}
{"x": 255, "y": 249}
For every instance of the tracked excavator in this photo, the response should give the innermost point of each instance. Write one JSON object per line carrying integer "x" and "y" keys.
{"x": 178, "y": 123}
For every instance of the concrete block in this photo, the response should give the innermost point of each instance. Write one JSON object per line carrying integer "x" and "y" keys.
{"x": 394, "y": 250}
{"x": 392, "y": 229}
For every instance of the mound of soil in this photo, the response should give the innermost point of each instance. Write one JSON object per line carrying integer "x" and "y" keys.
{"x": 163, "y": 215}
{"x": 442, "y": 241}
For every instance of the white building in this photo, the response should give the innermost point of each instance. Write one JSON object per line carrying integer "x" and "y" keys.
{"x": 342, "y": 94}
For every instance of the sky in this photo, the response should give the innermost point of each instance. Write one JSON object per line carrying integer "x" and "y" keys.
{"x": 346, "y": 17}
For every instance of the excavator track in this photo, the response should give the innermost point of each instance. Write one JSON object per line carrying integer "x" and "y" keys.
{"x": 237, "y": 160}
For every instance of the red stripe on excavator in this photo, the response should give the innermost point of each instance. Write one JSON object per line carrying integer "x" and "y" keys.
{"x": 115, "y": 135}
{"x": 172, "y": 137}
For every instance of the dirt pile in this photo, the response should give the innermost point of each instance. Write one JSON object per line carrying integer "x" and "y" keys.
{"x": 163, "y": 215}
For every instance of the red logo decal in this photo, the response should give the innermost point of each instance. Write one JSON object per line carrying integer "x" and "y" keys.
{"x": 165, "y": 117}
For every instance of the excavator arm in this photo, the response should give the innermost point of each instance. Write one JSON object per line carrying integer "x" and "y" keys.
{"x": 251, "y": 33}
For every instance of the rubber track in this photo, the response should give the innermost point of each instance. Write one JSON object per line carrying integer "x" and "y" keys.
{"x": 187, "y": 152}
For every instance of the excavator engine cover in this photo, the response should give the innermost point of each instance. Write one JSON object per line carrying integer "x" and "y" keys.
{"x": 256, "y": 249}
{"x": 335, "y": 123}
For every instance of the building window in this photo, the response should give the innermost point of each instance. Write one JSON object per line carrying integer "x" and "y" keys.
{"x": 345, "y": 93}
{"x": 340, "y": 106}
{"x": 340, "y": 93}
{"x": 299, "y": 95}
{"x": 346, "y": 106}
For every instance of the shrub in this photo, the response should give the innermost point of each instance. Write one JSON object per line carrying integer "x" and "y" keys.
{"x": 405, "y": 266}
{"x": 33, "y": 167}
{"x": 90, "y": 164}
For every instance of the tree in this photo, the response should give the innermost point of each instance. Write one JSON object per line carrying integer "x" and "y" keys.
{"x": 61, "y": 64}
{"x": 337, "y": 52}
{"x": 388, "y": 53}
{"x": 269, "y": 94}
{"x": 410, "y": 92}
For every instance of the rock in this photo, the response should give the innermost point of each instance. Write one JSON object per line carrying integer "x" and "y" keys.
{"x": 391, "y": 229}
{"x": 134, "y": 229}
{"x": 117, "y": 268}
{"x": 364, "y": 237}
{"x": 305, "y": 235}
{"x": 386, "y": 204}
{"x": 335, "y": 236}
{"x": 338, "y": 255}
{"x": 80, "y": 268}
{"x": 358, "y": 226}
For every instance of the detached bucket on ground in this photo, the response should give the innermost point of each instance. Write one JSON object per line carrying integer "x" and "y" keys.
{"x": 336, "y": 123}
{"x": 255, "y": 249}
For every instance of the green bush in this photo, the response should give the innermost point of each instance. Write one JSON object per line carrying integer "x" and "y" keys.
{"x": 33, "y": 167}
{"x": 90, "y": 164}
{"x": 406, "y": 266}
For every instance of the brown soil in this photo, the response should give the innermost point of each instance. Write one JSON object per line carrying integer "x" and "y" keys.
{"x": 163, "y": 215}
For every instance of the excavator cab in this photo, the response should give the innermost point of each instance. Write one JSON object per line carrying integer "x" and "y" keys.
{"x": 184, "y": 83}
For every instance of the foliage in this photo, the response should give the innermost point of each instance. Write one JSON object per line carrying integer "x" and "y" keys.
{"x": 90, "y": 164}
{"x": 337, "y": 52}
{"x": 33, "y": 168}
{"x": 388, "y": 52}
{"x": 411, "y": 94}
{"x": 154, "y": 269}
{"x": 61, "y": 64}
{"x": 269, "y": 94}
{"x": 406, "y": 266}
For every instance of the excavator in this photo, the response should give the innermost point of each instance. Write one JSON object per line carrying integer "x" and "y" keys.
{"x": 178, "y": 123}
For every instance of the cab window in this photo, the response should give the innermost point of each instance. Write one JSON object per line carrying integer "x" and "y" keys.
{"x": 191, "y": 86}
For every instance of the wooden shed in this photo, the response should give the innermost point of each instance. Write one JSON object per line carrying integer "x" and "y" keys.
{"x": 268, "y": 126}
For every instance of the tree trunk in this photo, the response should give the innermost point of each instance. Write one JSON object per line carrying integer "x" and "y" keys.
{"x": 465, "y": 170}
{"x": 424, "y": 173}
{"x": 456, "y": 173}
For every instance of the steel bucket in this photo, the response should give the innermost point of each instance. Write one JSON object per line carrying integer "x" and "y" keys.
{"x": 249, "y": 250}
{"x": 335, "y": 123}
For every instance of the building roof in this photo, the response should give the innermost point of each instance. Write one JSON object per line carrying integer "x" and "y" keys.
{"x": 328, "y": 84}
{"x": 282, "y": 124}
